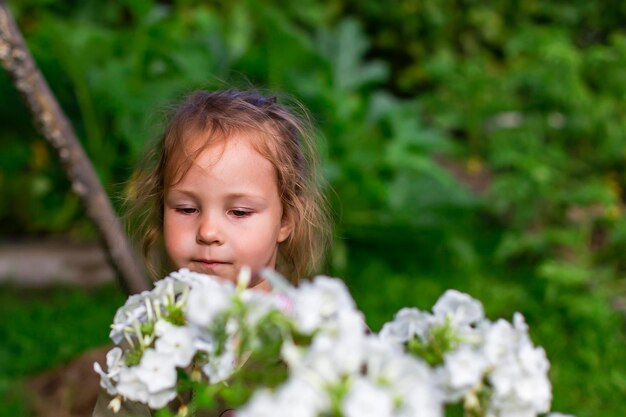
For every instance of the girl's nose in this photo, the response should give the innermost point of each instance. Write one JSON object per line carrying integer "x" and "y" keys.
{"x": 209, "y": 232}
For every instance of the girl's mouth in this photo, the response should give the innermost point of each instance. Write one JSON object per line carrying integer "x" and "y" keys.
{"x": 210, "y": 266}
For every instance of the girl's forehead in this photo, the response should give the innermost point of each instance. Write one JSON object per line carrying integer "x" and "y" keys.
{"x": 195, "y": 142}
{"x": 232, "y": 152}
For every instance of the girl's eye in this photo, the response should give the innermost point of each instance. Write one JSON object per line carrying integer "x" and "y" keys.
{"x": 240, "y": 213}
{"x": 186, "y": 210}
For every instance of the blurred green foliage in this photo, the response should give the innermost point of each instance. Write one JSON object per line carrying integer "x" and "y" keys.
{"x": 414, "y": 99}
{"x": 116, "y": 66}
{"x": 533, "y": 93}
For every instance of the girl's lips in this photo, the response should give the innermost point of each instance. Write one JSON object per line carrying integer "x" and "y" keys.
{"x": 209, "y": 266}
{"x": 211, "y": 263}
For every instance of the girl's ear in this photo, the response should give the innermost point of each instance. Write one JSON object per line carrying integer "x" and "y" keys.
{"x": 287, "y": 224}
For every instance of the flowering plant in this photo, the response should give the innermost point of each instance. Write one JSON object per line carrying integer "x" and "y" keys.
{"x": 206, "y": 344}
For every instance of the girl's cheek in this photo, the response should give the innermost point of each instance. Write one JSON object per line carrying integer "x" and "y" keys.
{"x": 175, "y": 236}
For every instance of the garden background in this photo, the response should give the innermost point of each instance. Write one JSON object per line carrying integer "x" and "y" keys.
{"x": 471, "y": 145}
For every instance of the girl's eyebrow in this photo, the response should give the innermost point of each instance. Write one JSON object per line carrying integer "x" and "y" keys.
{"x": 243, "y": 195}
{"x": 189, "y": 193}
{"x": 230, "y": 196}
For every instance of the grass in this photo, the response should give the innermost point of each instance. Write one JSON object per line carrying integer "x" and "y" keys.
{"x": 42, "y": 328}
{"x": 47, "y": 327}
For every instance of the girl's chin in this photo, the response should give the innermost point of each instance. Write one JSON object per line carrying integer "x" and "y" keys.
{"x": 225, "y": 272}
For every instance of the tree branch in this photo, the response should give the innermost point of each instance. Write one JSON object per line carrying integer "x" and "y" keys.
{"x": 56, "y": 128}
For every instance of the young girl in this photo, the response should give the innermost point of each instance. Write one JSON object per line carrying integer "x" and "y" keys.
{"x": 232, "y": 182}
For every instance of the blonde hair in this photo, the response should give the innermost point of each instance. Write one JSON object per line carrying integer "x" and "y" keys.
{"x": 279, "y": 135}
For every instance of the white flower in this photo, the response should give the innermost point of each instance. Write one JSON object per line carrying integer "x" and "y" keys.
{"x": 278, "y": 282}
{"x": 516, "y": 387}
{"x": 134, "y": 310}
{"x": 302, "y": 399}
{"x": 409, "y": 379}
{"x": 114, "y": 365}
{"x": 168, "y": 288}
{"x": 220, "y": 367}
{"x": 519, "y": 323}
{"x": 186, "y": 277}
{"x": 258, "y": 305}
{"x": 105, "y": 380}
{"x": 284, "y": 303}
{"x": 499, "y": 340}
{"x": 292, "y": 354}
{"x": 156, "y": 370}
{"x": 131, "y": 386}
{"x": 407, "y": 323}
{"x": 160, "y": 399}
{"x": 380, "y": 359}
{"x": 335, "y": 350}
{"x": 424, "y": 400}
{"x": 462, "y": 371}
{"x": 533, "y": 360}
{"x": 204, "y": 342}
{"x": 148, "y": 305}
{"x": 317, "y": 301}
{"x": 176, "y": 342}
{"x": 345, "y": 340}
{"x": 262, "y": 404}
{"x": 295, "y": 397}
{"x": 520, "y": 371}
{"x": 460, "y": 308}
{"x": 114, "y": 360}
{"x": 366, "y": 399}
{"x": 207, "y": 299}
{"x": 317, "y": 365}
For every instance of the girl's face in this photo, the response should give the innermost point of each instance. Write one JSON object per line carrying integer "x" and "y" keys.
{"x": 225, "y": 212}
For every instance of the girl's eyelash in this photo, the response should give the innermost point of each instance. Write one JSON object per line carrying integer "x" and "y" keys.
{"x": 186, "y": 210}
{"x": 240, "y": 212}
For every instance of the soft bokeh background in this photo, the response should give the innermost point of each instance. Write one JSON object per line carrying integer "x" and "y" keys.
{"x": 471, "y": 145}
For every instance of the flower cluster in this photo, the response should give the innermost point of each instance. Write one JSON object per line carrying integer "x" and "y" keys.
{"x": 492, "y": 367}
{"x": 161, "y": 332}
{"x": 306, "y": 351}
{"x": 343, "y": 371}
